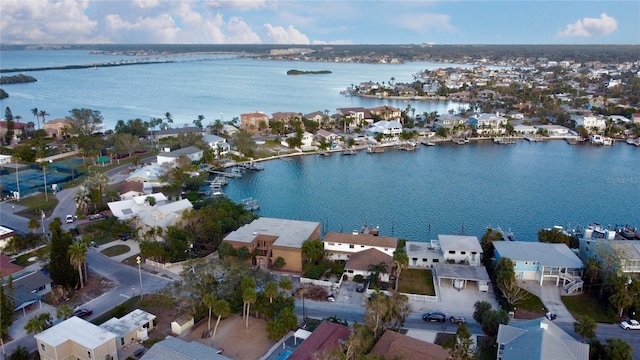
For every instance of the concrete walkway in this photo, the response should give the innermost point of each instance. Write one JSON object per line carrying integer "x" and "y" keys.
{"x": 549, "y": 294}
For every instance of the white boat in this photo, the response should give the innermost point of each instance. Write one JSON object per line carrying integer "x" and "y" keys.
{"x": 600, "y": 140}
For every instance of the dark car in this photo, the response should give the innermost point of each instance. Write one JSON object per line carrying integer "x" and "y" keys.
{"x": 458, "y": 320}
{"x": 83, "y": 312}
{"x": 125, "y": 236}
{"x": 434, "y": 316}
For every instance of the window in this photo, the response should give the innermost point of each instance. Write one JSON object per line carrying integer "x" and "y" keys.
{"x": 332, "y": 244}
{"x": 452, "y": 251}
{"x": 386, "y": 249}
{"x": 526, "y": 263}
{"x": 425, "y": 260}
{"x": 533, "y": 263}
{"x": 121, "y": 341}
{"x": 351, "y": 246}
{"x": 436, "y": 260}
{"x": 361, "y": 246}
{"x": 89, "y": 354}
{"x": 463, "y": 252}
{"x": 43, "y": 347}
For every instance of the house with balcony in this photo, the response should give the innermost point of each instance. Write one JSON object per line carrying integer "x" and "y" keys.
{"x": 543, "y": 261}
{"x": 254, "y": 122}
{"x": 275, "y": 238}
{"x": 389, "y": 129}
{"x": 449, "y": 121}
{"x": 317, "y": 116}
{"x": 131, "y": 328}
{"x": 356, "y": 115}
{"x": 340, "y": 246}
{"x": 538, "y": 339}
{"x": 590, "y": 122}
{"x": 76, "y": 338}
{"x": 57, "y": 127}
{"x": 386, "y": 112}
{"x": 218, "y": 144}
{"x": 307, "y": 140}
{"x": 623, "y": 255}
{"x": 460, "y": 249}
{"x": 489, "y": 124}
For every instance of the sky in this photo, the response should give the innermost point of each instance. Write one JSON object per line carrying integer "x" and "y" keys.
{"x": 319, "y": 22}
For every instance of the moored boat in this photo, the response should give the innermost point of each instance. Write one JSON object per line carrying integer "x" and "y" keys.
{"x": 348, "y": 152}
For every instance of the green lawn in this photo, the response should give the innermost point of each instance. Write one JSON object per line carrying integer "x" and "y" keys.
{"x": 532, "y": 304}
{"x": 116, "y": 250}
{"x": 588, "y": 304}
{"x": 35, "y": 203}
{"x": 416, "y": 281}
{"x": 23, "y": 260}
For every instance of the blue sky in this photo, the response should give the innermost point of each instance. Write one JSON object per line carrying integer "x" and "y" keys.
{"x": 319, "y": 22}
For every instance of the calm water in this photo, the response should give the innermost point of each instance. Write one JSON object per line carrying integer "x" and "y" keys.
{"x": 442, "y": 189}
{"x": 218, "y": 89}
{"x": 452, "y": 189}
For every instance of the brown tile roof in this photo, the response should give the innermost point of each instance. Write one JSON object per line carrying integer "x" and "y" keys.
{"x": 126, "y": 186}
{"x": 393, "y": 345}
{"x": 325, "y": 337}
{"x": 361, "y": 239}
{"x": 362, "y": 259}
{"x": 7, "y": 267}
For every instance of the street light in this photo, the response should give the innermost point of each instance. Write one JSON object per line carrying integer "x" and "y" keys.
{"x": 42, "y": 221}
{"x": 139, "y": 260}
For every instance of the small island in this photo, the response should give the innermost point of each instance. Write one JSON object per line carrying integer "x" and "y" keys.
{"x": 300, "y": 72}
{"x": 17, "y": 79}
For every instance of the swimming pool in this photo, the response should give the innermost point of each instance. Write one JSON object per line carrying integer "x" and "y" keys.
{"x": 285, "y": 355}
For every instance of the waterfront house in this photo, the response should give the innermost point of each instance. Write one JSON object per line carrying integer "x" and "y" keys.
{"x": 57, "y": 127}
{"x": 619, "y": 255}
{"x": 75, "y": 338}
{"x": 178, "y": 349}
{"x": 340, "y": 246}
{"x": 542, "y": 261}
{"x": 538, "y": 339}
{"x": 131, "y": 328}
{"x": 360, "y": 263}
{"x": 386, "y": 112}
{"x": 591, "y": 122}
{"x": 524, "y": 129}
{"x": 328, "y": 336}
{"x": 555, "y": 130}
{"x": 273, "y": 238}
{"x": 174, "y": 132}
{"x": 393, "y": 345}
{"x": 218, "y": 144}
{"x": 327, "y": 135}
{"x": 254, "y": 122}
{"x": 489, "y": 124}
{"x": 317, "y": 116}
{"x": 448, "y": 121}
{"x": 423, "y": 254}
{"x": 389, "y": 129}
{"x": 356, "y": 115}
{"x": 460, "y": 249}
{"x": 307, "y": 140}
{"x": 191, "y": 152}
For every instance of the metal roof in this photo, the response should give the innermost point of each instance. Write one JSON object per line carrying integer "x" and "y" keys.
{"x": 546, "y": 254}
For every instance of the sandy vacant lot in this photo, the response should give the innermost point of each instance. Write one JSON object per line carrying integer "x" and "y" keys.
{"x": 232, "y": 338}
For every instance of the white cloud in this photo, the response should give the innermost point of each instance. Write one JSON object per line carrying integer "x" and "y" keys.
{"x": 424, "y": 22}
{"x": 590, "y": 27}
{"x": 39, "y": 21}
{"x": 146, "y": 4}
{"x": 161, "y": 29}
{"x": 281, "y": 35}
{"x": 239, "y": 32}
{"x": 240, "y": 4}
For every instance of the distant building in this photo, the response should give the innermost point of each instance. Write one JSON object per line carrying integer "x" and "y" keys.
{"x": 590, "y": 122}
{"x": 386, "y": 112}
{"x": 172, "y": 348}
{"x": 75, "y": 338}
{"x": 218, "y": 144}
{"x": 254, "y": 122}
{"x": 191, "y": 152}
{"x": 19, "y": 129}
{"x": 391, "y": 129}
{"x": 489, "y": 124}
{"x": 174, "y": 132}
{"x": 57, "y": 127}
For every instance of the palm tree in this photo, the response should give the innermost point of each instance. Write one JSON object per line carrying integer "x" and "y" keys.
{"x": 376, "y": 269}
{"x": 64, "y": 312}
{"x": 286, "y": 284}
{"x": 77, "y": 256}
{"x": 402, "y": 262}
{"x": 249, "y": 296}
{"x": 34, "y": 111}
{"x": 42, "y": 114}
{"x": 82, "y": 199}
{"x": 209, "y": 300}
{"x": 585, "y": 327}
{"x": 313, "y": 250}
{"x": 271, "y": 290}
{"x": 222, "y": 309}
{"x": 38, "y": 324}
{"x": 34, "y": 224}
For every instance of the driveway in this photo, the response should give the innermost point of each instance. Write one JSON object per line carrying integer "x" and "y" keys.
{"x": 549, "y": 294}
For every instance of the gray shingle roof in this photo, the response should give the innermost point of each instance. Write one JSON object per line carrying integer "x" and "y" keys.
{"x": 176, "y": 349}
{"x": 546, "y": 254}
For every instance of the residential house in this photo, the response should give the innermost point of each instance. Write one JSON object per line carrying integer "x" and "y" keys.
{"x": 254, "y": 122}
{"x": 287, "y": 116}
{"x": 542, "y": 261}
{"x": 307, "y": 140}
{"x": 386, "y": 112}
{"x": 150, "y": 176}
{"x": 6, "y": 235}
{"x": 218, "y": 144}
{"x": 341, "y": 246}
{"x": 174, "y": 132}
{"x": 591, "y": 122}
{"x": 274, "y": 238}
{"x": 327, "y": 135}
{"x": 29, "y": 288}
{"x": 191, "y": 152}
{"x": 172, "y": 348}
{"x": 229, "y": 130}
{"x": 5, "y": 159}
{"x": 538, "y": 339}
{"x": 555, "y": 130}
{"x": 19, "y": 129}
{"x": 131, "y": 328}
{"x": 389, "y": 129}
{"x": 460, "y": 249}
{"x": 57, "y": 127}
{"x": 328, "y": 336}
{"x": 489, "y": 124}
{"x": 360, "y": 263}
{"x": 619, "y": 119}
{"x": 525, "y": 129}
{"x": 617, "y": 255}
{"x": 356, "y": 115}
{"x": 393, "y": 345}
{"x": 635, "y": 118}
{"x": 423, "y": 254}
{"x": 75, "y": 338}
{"x": 317, "y": 116}
{"x": 7, "y": 267}
{"x": 449, "y": 121}
{"x": 129, "y": 189}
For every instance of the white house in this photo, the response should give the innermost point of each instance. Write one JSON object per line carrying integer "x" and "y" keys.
{"x": 524, "y": 129}
{"x": 555, "y": 130}
{"x": 307, "y": 139}
{"x": 590, "y": 122}
{"x": 423, "y": 254}
{"x": 359, "y": 263}
{"x": 391, "y": 129}
{"x": 191, "y": 152}
{"x": 489, "y": 123}
{"x": 448, "y": 121}
{"x": 340, "y": 246}
{"x": 461, "y": 249}
{"x": 149, "y": 174}
{"x": 218, "y": 144}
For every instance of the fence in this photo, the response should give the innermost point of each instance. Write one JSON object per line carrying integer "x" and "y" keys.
{"x": 176, "y": 267}
{"x": 330, "y": 284}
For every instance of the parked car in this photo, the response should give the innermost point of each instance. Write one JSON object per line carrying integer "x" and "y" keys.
{"x": 458, "y": 320}
{"x": 69, "y": 219}
{"x": 361, "y": 287}
{"x": 551, "y": 316}
{"x": 331, "y": 298}
{"x": 434, "y": 316}
{"x": 83, "y": 312}
{"x": 630, "y": 325}
{"x": 125, "y": 236}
